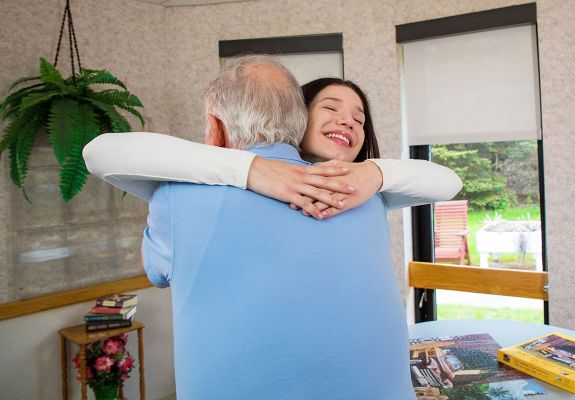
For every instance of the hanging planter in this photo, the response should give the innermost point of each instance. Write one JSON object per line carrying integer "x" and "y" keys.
{"x": 70, "y": 110}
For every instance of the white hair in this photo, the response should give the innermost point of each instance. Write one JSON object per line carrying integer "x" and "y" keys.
{"x": 259, "y": 101}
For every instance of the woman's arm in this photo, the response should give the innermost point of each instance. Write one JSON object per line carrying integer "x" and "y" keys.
{"x": 403, "y": 183}
{"x": 408, "y": 183}
{"x": 137, "y": 162}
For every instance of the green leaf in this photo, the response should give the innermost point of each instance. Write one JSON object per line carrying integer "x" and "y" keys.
{"x": 22, "y": 92}
{"x": 73, "y": 177}
{"x": 123, "y": 100}
{"x": 29, "y": 127}
{"x": 87, "y": 72}
{"x": 102, "y": 77}
{"x": 8, "y": 112}
{"x": 50, "y": 75}
{"x": 136, "y": 113}
{"x": 105, "y": 124}
{"x": 118, "y": 122}
{"x": 14, "y": 175}
{"x": 10, "y": 135}
{"x": 22, "y": 80}
{"x": 62, "y": 122}
{"x": 14, "y": 99}
{"x": 73, "y": 174}
{"x": 116, "y": 97}
{"x": 35, "y": 99}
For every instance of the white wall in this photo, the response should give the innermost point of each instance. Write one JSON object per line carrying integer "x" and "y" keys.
{"x": 30, "y": 349}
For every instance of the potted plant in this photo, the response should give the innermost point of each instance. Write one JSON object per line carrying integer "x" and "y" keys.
{"x": 108, "y": 365}
{"x": 70, "y": 111}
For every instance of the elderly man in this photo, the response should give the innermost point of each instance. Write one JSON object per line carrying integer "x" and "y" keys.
{"x": 270, "y": 305}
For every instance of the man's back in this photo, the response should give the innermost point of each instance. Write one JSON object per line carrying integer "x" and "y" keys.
{"x": 268, "y": 304}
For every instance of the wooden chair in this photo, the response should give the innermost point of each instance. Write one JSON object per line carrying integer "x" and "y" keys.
{"x": 451, "y": 232}
{"x": 502, "y": 282}
{"x": 463, "y": 278}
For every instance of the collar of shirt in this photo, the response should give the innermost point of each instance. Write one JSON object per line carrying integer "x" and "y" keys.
{"x": 278, "y": 151}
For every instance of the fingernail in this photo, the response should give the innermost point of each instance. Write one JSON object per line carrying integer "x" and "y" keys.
{"x": 345, "y": 169}
{"x": 321, "y": 215}
{"x": 350, "y": 188}
{"x": 340, "y": 203}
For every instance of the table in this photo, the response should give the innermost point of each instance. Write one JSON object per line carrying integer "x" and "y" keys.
{"x": 506, "y": 333}
{"x": 77, "y": 334}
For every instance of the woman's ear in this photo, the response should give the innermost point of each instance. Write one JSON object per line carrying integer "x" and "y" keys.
{"x": 216, "y": 134}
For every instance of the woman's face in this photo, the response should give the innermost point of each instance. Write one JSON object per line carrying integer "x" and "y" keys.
{"x": 335, "y": 125}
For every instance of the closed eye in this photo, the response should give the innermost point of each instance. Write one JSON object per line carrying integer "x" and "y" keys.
{"x": 329, "y": 108}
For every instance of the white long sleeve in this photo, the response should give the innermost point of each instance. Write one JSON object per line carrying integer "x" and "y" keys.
{"x": 408, "y": 183}
{"x": 137, "y": 161}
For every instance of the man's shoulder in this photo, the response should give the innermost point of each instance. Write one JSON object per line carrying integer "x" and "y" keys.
{"x": 185, "y": 196}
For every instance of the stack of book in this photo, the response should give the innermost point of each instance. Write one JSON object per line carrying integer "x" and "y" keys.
{"x": 111, "y": 312}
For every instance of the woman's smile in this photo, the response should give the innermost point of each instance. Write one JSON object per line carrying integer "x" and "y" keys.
{"x": 341, "y": 138}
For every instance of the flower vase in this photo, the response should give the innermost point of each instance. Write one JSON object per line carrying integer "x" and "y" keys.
{"x": 107, "y": 392}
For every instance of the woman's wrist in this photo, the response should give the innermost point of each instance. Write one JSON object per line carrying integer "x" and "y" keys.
{"x": 376, "y": 175}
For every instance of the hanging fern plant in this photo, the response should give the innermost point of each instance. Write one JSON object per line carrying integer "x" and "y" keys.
{"x": 74, "y": 114}
{"x": 71, "y": 110}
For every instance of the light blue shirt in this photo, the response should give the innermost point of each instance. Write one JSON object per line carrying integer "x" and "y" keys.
{"x": 271, "y": 305}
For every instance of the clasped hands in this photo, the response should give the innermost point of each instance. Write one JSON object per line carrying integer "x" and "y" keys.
{"x": 321, "y": 190}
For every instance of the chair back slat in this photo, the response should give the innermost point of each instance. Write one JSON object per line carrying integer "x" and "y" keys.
{"x": 450, "y": 231}
{"x": 450, "y": 222}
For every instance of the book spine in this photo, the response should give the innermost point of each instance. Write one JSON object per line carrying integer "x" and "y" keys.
{"x": 108, "y": 303}
{"x": 536, "y": 370}
{"x": 105, "y": 317}
{"x": 109, "y": 310}
{"x": 107, "y": 325}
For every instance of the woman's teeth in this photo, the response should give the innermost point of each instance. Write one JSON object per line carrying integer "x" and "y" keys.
{"x": 338, "y": 136}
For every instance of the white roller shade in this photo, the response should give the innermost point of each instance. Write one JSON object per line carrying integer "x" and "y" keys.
{"x": 475, "y": 87}
{"x": 309, "y": 66}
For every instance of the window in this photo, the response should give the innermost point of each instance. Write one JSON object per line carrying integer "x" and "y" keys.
{"x": 307, "y": 57}
{"x": 471, "y": 102}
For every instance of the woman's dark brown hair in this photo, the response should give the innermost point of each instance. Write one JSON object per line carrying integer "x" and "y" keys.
{"x": 369, "y": 148}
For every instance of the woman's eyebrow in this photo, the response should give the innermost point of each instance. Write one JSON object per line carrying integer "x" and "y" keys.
{"x": 358, "y": 108}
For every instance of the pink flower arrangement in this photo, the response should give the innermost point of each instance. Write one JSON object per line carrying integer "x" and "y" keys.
{"x": 107, "y": 362}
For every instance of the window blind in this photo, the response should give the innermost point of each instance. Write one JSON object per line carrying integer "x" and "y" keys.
{"x": 473, "y": 87}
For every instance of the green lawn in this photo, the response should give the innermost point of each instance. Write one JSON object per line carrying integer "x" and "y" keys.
{"x": 464, "y": 311}
{"x": 476, "y": 219}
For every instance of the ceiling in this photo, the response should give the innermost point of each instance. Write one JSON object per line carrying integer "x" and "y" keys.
{"x": 176, "y": 3}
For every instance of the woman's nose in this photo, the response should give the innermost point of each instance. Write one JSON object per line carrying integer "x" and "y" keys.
{"x": 346, "y": 120}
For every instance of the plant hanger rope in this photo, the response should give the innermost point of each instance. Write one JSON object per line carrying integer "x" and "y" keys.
{"x": 71, "y": 39}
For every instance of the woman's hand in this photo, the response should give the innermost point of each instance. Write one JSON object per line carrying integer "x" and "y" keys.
{"x": 306, "y": 187}
{"x": 365, "y": 177}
